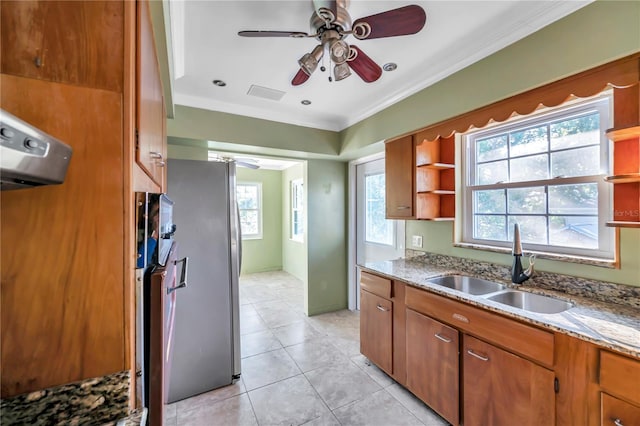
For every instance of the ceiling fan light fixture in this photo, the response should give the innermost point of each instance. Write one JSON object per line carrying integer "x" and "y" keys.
{"x": 309, "y": 61}
{"x": 341, "y": 71}
{"x": 339, "y": 51}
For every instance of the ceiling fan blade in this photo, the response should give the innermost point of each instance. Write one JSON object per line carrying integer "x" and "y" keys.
{"x": 294, "y": 34}
{"x": 402, "y": 21}
{"x": 364, "y": 66}
{"x": 300, "y": 77}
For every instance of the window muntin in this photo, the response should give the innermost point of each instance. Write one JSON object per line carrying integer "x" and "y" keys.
{"x": 297, "y": 210}
{"x": 544, "y": 173}
{"x": 378, "y": 229}
{"x": 250, "y": 206}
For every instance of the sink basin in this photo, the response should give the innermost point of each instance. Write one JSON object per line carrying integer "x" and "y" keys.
{"x": 531, "y": 302}
{"x": 469, "y": 285}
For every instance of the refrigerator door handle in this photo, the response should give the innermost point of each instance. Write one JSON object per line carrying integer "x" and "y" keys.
{"x": 239, "y": 236}
{"x": 183, "y": 274}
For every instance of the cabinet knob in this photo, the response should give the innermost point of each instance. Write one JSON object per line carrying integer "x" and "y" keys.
{"x": 618, "y": 422}
{"x": 155, "y": 154}
{"x": 161, "y": 163}
{"x": 403, "y": 207}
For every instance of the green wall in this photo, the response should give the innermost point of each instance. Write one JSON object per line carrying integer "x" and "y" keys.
{"x": 294, "y": 253}
{"x": 596, "y": 34}
{"x": 327, "y": 236}
{"x": 264, "y": 254}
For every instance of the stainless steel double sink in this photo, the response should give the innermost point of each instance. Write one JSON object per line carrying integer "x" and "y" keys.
{"x": 499, "y": 293}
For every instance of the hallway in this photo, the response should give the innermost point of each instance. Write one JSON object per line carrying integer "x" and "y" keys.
{"x": 298, "y": 370}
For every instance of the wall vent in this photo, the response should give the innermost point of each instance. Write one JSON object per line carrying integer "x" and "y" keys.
{"x": 265, "y": 92}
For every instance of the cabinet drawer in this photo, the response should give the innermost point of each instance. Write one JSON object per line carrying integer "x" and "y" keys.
{"x": 528, "y": 341}
{"x": 375, "y": 284}
{"x": 618, "y": 413}
{"x": 620, "y": 376}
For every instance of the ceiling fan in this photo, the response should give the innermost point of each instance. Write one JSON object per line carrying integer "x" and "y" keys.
{"x": 331, "y": 24}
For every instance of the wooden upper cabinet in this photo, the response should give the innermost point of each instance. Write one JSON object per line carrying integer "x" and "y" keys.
{"x": 151, "y": 145}
{"x": 400, "y": 178}
{"x": 79, "y": 43}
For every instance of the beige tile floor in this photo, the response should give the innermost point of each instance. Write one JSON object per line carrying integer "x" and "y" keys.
{"x": 299, "y": 370}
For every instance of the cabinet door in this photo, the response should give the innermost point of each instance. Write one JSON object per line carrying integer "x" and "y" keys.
{"x": 432, "y": 364}
{"x": 151, "y": 147}
{"x": 500, "y": 388}
{"x": 73, "y": 42}
{"x": 616, "y": 412}
{"x": 399, "y": 178}
{"x": 376, "y": 322}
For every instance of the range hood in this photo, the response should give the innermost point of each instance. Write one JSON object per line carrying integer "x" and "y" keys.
{"x": 28, "y": 156}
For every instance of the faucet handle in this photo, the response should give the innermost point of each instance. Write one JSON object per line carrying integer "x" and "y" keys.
{"x": 530, "y": 270}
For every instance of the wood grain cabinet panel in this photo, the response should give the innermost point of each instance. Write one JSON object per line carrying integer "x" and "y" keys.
{"x": 433, "y": 364}
{"x": 75, "y": 42}
{"x": 151, "y": 146}
{"x": 400, "y": 178}
{"x": 618, "y": 413}
{"x": 376, "y": 330}
{"x": 500, "y": 388}
{"x": 620, "y": 376}
{"x": 63, "y": 246}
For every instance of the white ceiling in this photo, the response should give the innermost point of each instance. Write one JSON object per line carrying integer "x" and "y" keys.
{"x": 205, "y": 46}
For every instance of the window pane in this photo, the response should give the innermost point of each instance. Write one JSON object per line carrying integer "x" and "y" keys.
{"x": 492, "y": 172}
{"x": 527, "y": 200}
{"x": 576, "y": 162}
{"x": 529, "y": 141}
{"x": 491, "y": 148}
{"x": 574, "y": 231}
{"x": 529, "y": 168}
{"x": 247, "y": 196}
{"x": 490, "y": 201}
{"x": 377, "y": 228}
{"x": 489, "y": 227}
{"x": 574, "y": 199}
{"x": 249, "y": 222}
{"x": 533, "y": 229}
{"x": 578, "y": 131}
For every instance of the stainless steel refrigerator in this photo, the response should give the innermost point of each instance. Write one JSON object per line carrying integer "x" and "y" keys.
{"x": 206, "y": 354}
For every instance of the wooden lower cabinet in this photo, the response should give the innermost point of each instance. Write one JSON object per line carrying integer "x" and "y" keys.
{"x": 616, "y": 412}
{"x": 433, "y": 364}
{"x": 500, "y": 388}
{"x": 376, "y": 330}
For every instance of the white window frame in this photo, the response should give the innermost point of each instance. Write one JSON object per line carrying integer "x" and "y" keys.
{"x": 257, "y": 236}
{"x": 296, "y": 207}
{"x": 606, "y": 251}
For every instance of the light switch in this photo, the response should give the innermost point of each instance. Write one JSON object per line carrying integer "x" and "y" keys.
{"x": 416, "y": 241}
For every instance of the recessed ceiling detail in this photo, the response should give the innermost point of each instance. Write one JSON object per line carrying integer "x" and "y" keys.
{"x": 456, "y": 35}
{"x": 265, "y": 92}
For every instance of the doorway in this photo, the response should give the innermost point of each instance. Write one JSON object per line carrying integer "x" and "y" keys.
{"x": 376, "y": 238}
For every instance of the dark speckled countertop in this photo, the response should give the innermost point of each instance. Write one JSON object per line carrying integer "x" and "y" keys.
{"x": 612, "y": 325}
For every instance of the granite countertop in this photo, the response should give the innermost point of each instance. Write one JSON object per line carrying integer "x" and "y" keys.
{"x": 614, "y": 326}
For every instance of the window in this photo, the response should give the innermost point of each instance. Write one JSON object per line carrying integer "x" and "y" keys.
{"x": 546, "y": 174}
{"x": 377, "y": 228}
{"x": 250, "y": 205}
{"x": 297, "y": 210}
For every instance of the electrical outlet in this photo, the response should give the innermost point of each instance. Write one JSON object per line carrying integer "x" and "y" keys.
{"x": 416, "y": 241}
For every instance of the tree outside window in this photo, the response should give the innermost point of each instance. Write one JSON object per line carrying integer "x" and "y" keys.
{"x": 250, "y": 206}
